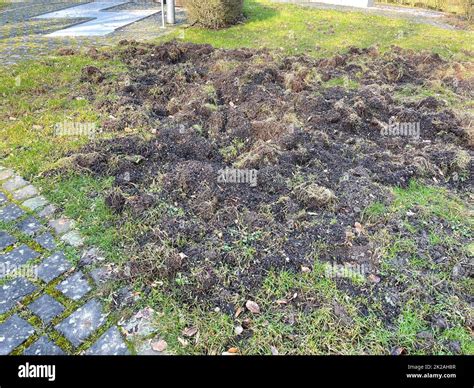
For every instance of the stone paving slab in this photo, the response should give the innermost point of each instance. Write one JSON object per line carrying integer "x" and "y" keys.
{"x": 53, "y": 266}
{"x": 6, "y": 240}
{"x": 44, "y": 347}
{"x": 13, "y": 332}
{"x": 25, "y": 193}
{"x": 16, "y": 258}
{"x": 10, "y": 213}
{"x": 13, "y": 292}
{"x": 109, "y": 344}
{"x": 75, "y": 286}
{"x": 30, "y": 226}
{"x": 82, "y": 322}
{"x": 87, "y": 316}
{"x": 46, "y": 240}
{"x": 14, "y": 183}
{"x": 47, "y": 308}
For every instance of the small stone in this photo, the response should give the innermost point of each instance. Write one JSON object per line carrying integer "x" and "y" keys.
{"x": 101, "y": 275}
{"x": 30, "y": 226}
{"x": 141, "y": 324}
{"x": 125, "y": 297}
{"x": 73, "y": 238}
{"x": 75, "y": 286}
{"x": 6, "y": 240}
{"x": 35, "y": 203}
{"x": 46, "y": 240}
{"x": 25, "y": 192}
{"x": 44, "y": 347}
{"x": 53, "y": 266}
{"x": 14, "y": 183}
{"x": 3, "y": 198}
{"x": 5, "y": 174}
{"x": 13, "y": 332}
{"x": 14, "y": 259}
{"x": 82, "y": 322}
{"x": 61, "y": 225}
{"x": 109, "y": 344}
{"x": 13, "y": 292}
{"x": 10, "y": 213}
{"x": 48, "y": 211}
{"x": 47, "y": 308}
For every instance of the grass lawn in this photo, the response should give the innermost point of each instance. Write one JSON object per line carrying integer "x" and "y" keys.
{"x": 296, "y": 30}
{"x": 37, "y": 95}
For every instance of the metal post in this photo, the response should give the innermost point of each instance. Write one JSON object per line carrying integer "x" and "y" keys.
{"x": 163, "y": 14}
{"x": 170, "y": 13}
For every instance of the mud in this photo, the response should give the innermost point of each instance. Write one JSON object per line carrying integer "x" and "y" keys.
{"x": 319, "y": 151}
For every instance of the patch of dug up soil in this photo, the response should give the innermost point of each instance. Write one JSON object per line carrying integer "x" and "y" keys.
{"x": 320, "y": 156}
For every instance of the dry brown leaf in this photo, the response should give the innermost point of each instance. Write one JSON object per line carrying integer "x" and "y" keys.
{"x": 159, "y": 346}
{"x": 238, "y": 312}
{"x": 190, "y": 331}
{"x": 233, "y": 350}
{"x": 253, "y": 307}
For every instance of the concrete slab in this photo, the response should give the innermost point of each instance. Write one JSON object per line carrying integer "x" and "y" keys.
{"x": 102, "y": 22}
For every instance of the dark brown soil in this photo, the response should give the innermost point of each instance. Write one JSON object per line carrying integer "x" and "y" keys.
{"x": 318, "y": 150}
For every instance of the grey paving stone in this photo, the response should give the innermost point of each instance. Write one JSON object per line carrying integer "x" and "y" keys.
{"x": 11, "y": 212}
{"x": 53, "y": 266}
{"x": 30, "y": 226}
{"x": 16, "y": 258}
{"x": 14, "y": 183}
{"x": 46, "y": 240}
{"x": 44, "y": 347}
{"x": 35, "y": 203}
{"x": 5, "y": 174}
{"x": 13, "y": 292}
{"x": 61, "y": 225}
{"x": 13, "y": 332}
{"x": 24, "y": 193}
{"x": 3, "y": 198}
{"x": 6, "y": 240}
{"x": 75, "y": 286}
{"x": 47, "y": 308}
{"x": 48, "y": 211}
{"x": 109, "y": 344}
{"x": 73, "y": 238}
{"x": 82, "y": 322}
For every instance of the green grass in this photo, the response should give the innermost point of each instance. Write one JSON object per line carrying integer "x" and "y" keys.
{"x": 294, "y": 29}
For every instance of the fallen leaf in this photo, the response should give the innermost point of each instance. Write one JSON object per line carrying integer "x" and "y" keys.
{"x": 305, "y": 269}
{"x": 282, "y": 301}
{"x": 233, "y": 350}
{"x": 190, "y": 331}
{"x": 159, "y": 346}
{"x": 238, "y": 330}
{"x": 238, "y": 312}
{"x": 253, "y": 307}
